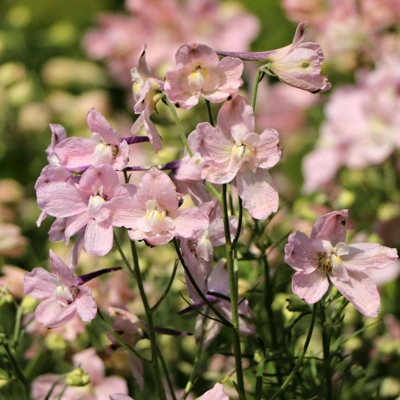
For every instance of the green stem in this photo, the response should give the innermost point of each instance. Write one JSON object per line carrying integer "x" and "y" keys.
{"x": 326, "y": 342}
{"x": 179, "y": 126}
{"x": 16, "y": 366}
{"x": 123, "y": 256}
{"x": 150, "y": 324}
{"x": 17, "y": 326}
{"x": 233, "y": 290}
{"x": 239, "y": 227}
{"x": 223, "y": 320}
{"x": 259, "y": 378}
{"x": 258, "y": 79}
{"x": 209, "y": 111}
{"x": 301, "y": 357}
{"x": 167, "y": 377}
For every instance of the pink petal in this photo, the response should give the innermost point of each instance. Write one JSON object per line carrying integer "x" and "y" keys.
{"x": 216, "y": 393}
{"x": 98, "y": 124}
{"x": 100, "y": 176}
{"x": 268, "y": 152}
{"x": 64, "y": 273}
{"x": 310, "y": 287}
{"x": 364, "y": 256}
{"x": 85, "y": 304}
{"x": 75, "y": 152}
{"x": 188, "y": 221}
{"x": 98, "y": 238}
{"x": 190, "y": 52}
{"x": 230, "y": 71}
{"x": 331, "y": 227}
{"x": 258, "y": 192}
{"x": 40, "y": 283}
{"x": 361, "y": 291}
{"x": 300, "y": 254}
{"x": 51, "y": 314}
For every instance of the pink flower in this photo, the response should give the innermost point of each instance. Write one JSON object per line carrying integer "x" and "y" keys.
{"x": 120, "y": 396}
{"x": 154, "y": 214}
{"x": 216, "y": 393}
{"x": 105, "y": 147}
{"x": 99, "y": 388}
{"x": 61, "y": 293}
{"x": 96, "y": 205}
{"x": 200, "y": 73}
{"x": 233, "y": 149}
{"x": 298, "y": 64}
{"x": 323, "y": 257}
{"x": 147, "y": 91}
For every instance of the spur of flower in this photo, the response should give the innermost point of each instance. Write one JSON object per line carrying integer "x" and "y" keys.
{"x": 61, "y": 293}
{"x": 298, "y": 64}
{"x": 324, "y": 257}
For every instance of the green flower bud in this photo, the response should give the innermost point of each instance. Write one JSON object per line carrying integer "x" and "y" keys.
{"x": 77, "y": 377}
{"x": 28, "y": 305}
{"x": 5, "y": 296}
{"x": 4, "y": 379}
{"x": 296, "y": 304}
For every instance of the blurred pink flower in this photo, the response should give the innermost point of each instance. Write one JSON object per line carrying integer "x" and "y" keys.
{"x": 12, "y": 243}
{"x": 233, "y": 150}
{"x": 13, "y": 280}
{"x": 164, "y": 25}
{"x": 216, "y": 393}
{"x": 298, "y": 64}
{"x": 323, "y": 258}
{"x": 199, "y": 72}
{"x": 99, "y": 388}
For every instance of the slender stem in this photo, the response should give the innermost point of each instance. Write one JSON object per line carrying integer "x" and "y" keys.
{"x": 209, "y": 111}
{"x": 233, "y": 288}
{"x": 191, "y": 381}
{"x": 123, "y": 256}
{"x": 62, "y": 392}
{"x": 122, "y": 342}
{"x": 326, "y": 343}
{"x": 17, "y": 326}
{"x": 166, "y": 291}
{"x": 179, "y": 126}
{"x": 259, "y": 378}
{"x": 150, "y": 325}
{"x": 16, "y": 366}
{"x": 196, "y": 286}
{"x": 53, "y": 386}
{"x": 301, "y": 357}
{"x": 239, "y": 227}
{"x": 258, "y": 79}
{"x": 167, "y": 377}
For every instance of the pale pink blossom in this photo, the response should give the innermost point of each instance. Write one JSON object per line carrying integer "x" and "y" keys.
{"x": 105, "y": 147}
{"x": 154, "y": 215}
{"x": 99, "y": 388}
{"x": 216, "y": 393}
{"x": 120, "y": 396}
{"x": 324, "y": 257}
{"x": 233, "y": 150}
{"x": 95, "y": 204}
{"x": 147, "y": 91}
{"x": 298, "y": 64}
{"x": 199, "y": 72}
{"x": 61, "y": 294}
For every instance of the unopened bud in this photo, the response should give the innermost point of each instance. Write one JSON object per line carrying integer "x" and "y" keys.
{"x": 296, "y": 304}
{"x": 357, "y": 371}
{"x": 77, "y": 377}
{"x": 4, "y": 379}
{"x": 28, "y": 305}
{"x": 5, "y": 296}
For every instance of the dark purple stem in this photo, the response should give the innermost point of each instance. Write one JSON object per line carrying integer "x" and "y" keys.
{"x": 136, "y": 139}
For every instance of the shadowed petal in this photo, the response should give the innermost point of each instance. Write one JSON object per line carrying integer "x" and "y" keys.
{"x": 310, "y": 287}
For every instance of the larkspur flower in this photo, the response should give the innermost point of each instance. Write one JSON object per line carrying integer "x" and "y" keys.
{"x": 324, "y": 257}
{"x": 298, "y": 64}
{"x": 216, "y": 393}
{"x": 233, "y": 150}
{"x": 199, "y": 72}
{"x": 61, "y": 293}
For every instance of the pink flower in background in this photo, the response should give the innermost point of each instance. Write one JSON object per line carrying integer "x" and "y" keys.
{"x": 324, "y": 257}
{"x": 154, "y": 214}
{"x": 164, "y": 25}
{"x": 96, "y": 205}
{"x": 99, "y": 388}
{"x": 147, "y": 91}
{"x": 234, "y": 150}
{"x": 61, "y": 293}
{"x": 216, "y": 393}
{"x": 105, "y": 147}
{"x": 199, "y": 72}
{"x": 120, "y": 396}
{"x": 298, "y": 64}
{"x": 361, "y": 128}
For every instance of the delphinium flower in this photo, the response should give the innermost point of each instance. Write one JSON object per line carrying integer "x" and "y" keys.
{"x": 233, "y": 150}
{"x": 199, "y": 72}
{"x": 324, "y": 257}
{"x": 99, "y": 386}
{"x": 84, "y": 206}
{"x": 154, "y": 214}
{"x": 216, "y": 393}
{"x": 61, "y": 293}
{"x": 298, "y": 64}
{"x": 147, "y": 91}
{"x": 105, "y": 147}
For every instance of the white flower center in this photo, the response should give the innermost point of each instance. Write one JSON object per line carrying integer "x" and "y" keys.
{"x": 66, "y": 295}
{"x": 156, "y": 218}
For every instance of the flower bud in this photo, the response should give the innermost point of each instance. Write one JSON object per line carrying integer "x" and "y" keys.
{"x": 28, "y": 305}
{"x": 295, "y": 304}
{"x": 77, "y": 377}
{"x": 4, "y": 379}
{"x": 5, "y": 296}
